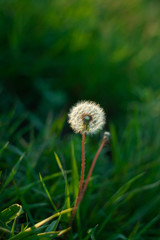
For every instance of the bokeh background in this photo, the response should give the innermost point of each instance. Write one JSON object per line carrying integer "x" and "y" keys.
{"x": 54, "y": 53}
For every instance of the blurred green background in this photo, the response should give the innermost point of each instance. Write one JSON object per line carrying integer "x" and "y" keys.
{"x": 54, "y": 53}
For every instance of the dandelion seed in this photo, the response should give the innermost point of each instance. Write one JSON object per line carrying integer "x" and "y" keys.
{"x": 86, "y": 117}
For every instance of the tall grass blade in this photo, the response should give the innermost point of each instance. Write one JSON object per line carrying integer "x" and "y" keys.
{"x": 75, "y": 175}
{"x": 67, "y": 193}
{"x": 47, "y": 192}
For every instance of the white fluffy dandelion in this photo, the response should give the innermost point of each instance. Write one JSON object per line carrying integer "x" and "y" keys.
{"x": 86, "y": 117}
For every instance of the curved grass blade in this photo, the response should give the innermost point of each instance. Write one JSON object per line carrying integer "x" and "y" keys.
{"x": 10, "y": 213}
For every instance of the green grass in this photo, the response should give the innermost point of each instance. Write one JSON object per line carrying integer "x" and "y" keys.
{"x": 57, "y": 52}
{"x": 39, "y": 172}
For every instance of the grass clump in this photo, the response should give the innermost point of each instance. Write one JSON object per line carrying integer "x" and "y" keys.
{"x": 40, "y": 179}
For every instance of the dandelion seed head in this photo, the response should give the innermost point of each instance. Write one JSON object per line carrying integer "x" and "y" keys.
{"x": 86, "y": 117}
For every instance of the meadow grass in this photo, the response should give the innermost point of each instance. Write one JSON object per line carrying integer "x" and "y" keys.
{"x": 40, "y": 178}
{"x": 54, "y": 53}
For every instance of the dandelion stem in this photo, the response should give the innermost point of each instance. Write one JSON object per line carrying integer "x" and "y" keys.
{"x": 91, "y": 169}
{"x": 81, "y": 180}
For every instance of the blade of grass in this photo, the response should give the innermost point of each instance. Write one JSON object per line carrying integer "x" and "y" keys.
{"x": 4, "y": 147}
{"x": 67, "y": 195}
{"x": 2, "y": 229}
{"x": 131, "y": 193}
{"x": 75, "y": 184}
{"x": 147, "y": 226}
{"x": 90, "y": 232}
{"x": 10, "y": 213}
{"x": 119, "y": 194}
{"x": 54, "y": 175}
{"x": 48, "y": 194}
{"x": 26, "y": 208}
{"x": 13, "y": 227}
{"x": 134, "y": 232}
{"x": 51, "y": 226}
{"x": 31, "y": 232}
{"x": 41, "y": 223}
{"x": 15, "y": 149}
{"x": 45, "y": 236}
{"x": 75, "y": 175}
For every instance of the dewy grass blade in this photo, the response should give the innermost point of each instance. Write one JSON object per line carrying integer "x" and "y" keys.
{"x": 67, "y": 195}
{"x": 47, "y": 192}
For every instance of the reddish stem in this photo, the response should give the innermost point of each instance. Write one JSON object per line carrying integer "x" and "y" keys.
{"x": 91, "y": 168}
{"x": 81, "y": 180}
